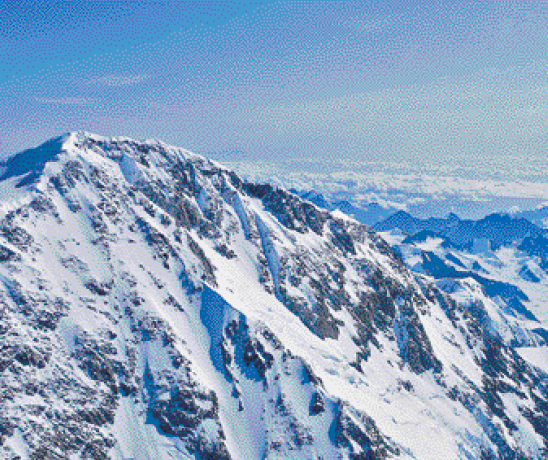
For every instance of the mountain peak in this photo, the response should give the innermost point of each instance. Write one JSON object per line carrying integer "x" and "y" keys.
{"x": 452, "y": 217}
{"x": 26, "y": 168}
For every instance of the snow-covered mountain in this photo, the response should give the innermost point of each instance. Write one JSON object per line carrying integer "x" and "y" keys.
{"x": 156, "y": 306}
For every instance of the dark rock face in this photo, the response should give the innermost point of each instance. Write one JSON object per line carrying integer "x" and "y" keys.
{"x": 341, "y": 238}
{"x": 415, "y": 346}
{"x": 7, "y": 255}
{"x": 15, "y": 235}
{"x": 101, "y": 289}
{"x": 354, "y": 428}
{"x": 391, "y": 308}
{"x": 317, "y": 405}
{"x": 291, "y": 211}
{"x": 208, "y": 270}
{"x": 180, "y": 406}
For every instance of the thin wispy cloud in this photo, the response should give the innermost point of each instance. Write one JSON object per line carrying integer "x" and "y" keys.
{"x": 372, "y": 25}
{"x": 67, "y": 100}
{"x": 429, "y": 179}
{"x": 120, "y": 80}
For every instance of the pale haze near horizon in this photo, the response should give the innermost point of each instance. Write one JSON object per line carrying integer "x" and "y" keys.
{"x": 463, "y": 87}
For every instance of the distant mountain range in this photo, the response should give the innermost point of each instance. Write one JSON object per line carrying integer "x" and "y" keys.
{"x": 368, "y": 213}
{"x": 498, "y": 229}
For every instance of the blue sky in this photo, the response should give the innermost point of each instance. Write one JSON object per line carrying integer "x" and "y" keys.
{"x": 437, "y": 81}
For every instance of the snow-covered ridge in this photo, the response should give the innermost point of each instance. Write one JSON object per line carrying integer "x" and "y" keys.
{"x": 155, "y": 305}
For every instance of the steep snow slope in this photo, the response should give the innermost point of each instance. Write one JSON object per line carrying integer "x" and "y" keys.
{"x": 156, "y": 306}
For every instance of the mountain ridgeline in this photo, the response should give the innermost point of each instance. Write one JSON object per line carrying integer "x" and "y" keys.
{"x": 497, "y": 229}
{"x": 154, "y": 305}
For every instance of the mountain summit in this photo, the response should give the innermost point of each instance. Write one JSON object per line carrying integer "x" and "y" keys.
{"x": 154, "y": 305}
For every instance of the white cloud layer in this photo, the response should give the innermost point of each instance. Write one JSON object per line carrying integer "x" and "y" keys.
{"x": 428, "y": 189}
